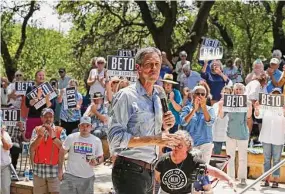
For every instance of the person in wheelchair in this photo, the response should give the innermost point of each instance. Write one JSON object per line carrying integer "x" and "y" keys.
{"x": 175, "y": 169}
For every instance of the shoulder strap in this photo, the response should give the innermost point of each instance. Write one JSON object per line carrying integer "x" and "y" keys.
{"x": 58, "y": 131}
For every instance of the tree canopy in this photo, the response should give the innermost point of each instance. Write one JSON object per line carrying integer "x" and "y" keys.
{"x": 100, "y": 28}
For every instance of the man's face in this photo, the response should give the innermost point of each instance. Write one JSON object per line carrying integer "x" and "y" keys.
{"x": 47, "y": 118}
{"x": 274, "y": 66}
{"x": 167, "y": 87}
{"x": 186, "y": 72}
{"x": 85, "y": 128}
{"x": 98, "y": 101}
{"x": 150, "y": 67}
{"x": 61, "y": 73}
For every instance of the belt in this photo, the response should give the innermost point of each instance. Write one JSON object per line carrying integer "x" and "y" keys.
{"x": 143, "y": 164}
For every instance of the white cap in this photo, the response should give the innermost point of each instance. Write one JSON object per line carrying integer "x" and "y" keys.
{"x": 199, "y": 87}
{"x": 274, "y": 61}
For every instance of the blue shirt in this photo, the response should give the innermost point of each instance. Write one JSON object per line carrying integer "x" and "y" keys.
{"x": 199, "y": 129}
{"x": 178, "y": 100}
{"x": 71, "y": 115}
{"x": 96, "y": 122}
{"x": 216, "y": 84}
{"x": 191, "y": 81}
{"x": 277, "y": 75}
{"x": 164, "y": 69}
{"x": 134, "y": 114}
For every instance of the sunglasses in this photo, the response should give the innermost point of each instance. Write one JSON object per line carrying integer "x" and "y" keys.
{"x": 115, "y": 82}
{"x": 100, "y": 62}
{"x": 61, "y": 72}
{"x": 19, "y": 75}
{"x": 200, "y": 94}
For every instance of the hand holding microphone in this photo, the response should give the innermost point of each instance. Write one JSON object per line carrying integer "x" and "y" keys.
{"x": 168, "y": 119}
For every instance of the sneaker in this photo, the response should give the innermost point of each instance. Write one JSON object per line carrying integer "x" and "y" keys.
{"x": 243, "y": 182}
{"x": 274, "y": 185}
{"x": 265, "y": 184}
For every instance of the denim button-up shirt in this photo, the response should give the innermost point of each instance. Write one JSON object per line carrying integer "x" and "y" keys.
{"x": 199, "y": 129}
{"x": 134, "y": 114}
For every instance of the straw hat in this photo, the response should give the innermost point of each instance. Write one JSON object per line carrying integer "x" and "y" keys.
{"x": 168, "y": 78}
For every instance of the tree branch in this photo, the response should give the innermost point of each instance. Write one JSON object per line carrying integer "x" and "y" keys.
{"x": 146, "y": 16}
{"x": 23, "y": 32}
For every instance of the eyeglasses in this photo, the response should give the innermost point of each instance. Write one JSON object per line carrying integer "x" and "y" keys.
{"x": 19, "y": 75}
{"x": 61, "y": 72}
{"x": 200, "y": 94}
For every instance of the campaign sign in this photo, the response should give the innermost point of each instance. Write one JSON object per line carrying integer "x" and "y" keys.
{"x": 273, "y": 103}
{"x": 11, "y": 116}
{"x": 235, "y": 103}
{"x": 121, "y": 66}
{"x": 21, "y": 87}
{"x": 211, "y": 49}
{"x": 69, "y": 98}
{"x": 47, "y": 89}
{"x": 126, "y": 53}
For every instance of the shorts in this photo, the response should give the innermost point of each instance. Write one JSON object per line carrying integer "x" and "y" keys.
{"x": 71, "y": 184}
{"x": 45, "y": 185}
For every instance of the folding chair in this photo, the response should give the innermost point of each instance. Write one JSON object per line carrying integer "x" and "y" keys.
{"x": 220, "y": 162}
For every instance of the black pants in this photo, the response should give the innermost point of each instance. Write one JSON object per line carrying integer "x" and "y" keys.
{"x": 69, "y": 126}
{"x": 15, "y": 152}
{"x": 130, "y": 178}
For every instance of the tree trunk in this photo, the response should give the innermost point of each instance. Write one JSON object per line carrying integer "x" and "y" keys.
{"x": 198, "y": 29}
{"x": 10, "y": 63}
{"x": 161, "y": 35}
{"x": 278, "y": 32}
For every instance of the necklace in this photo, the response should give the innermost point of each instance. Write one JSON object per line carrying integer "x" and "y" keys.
{"x": 177, "y": 166}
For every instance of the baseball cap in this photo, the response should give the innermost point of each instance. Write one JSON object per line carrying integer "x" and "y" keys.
{"x": 85, "y": 120}
{"x": 274, "y": 61}
{"x": 277, "y": 90}
{"x": 47, "y": 110}
{"x": 97, "y": 95}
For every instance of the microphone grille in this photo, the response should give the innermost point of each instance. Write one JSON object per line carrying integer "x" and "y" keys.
{"x": 162, "y": 95}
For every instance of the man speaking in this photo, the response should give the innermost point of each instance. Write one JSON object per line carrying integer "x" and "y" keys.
{"x": 134, "y": 132}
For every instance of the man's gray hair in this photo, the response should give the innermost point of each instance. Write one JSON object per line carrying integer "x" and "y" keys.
{"x": 186, "y": 67}
{"x": 144, "y": 51}
{"x": 186, "y": 137}
{"x": 276, "y": 53}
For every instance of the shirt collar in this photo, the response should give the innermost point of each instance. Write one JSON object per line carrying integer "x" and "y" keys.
{"x": 141, "y": 90}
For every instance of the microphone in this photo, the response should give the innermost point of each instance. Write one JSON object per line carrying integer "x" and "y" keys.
{"x": 162, "y": 97}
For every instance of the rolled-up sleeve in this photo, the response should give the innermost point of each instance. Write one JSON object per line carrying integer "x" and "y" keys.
{"x": 184, "y": 112}
{"x": 117, "y": 134}
{"x": 212, "y": 117}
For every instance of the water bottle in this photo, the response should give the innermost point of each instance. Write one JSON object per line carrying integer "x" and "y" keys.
{"x": 251, "y": 143}
{"x": 31, "y": 174}
{"x": 26, "y": 174}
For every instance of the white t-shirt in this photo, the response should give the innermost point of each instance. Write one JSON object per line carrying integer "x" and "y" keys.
{"x": 220, "y": 126}
{"x": 96, "y": 87}
{"x": 16, "y": 103}
{"x": 178, "y": 69}
{"x": 5, "y": 154}
{"x": 78, "y": 148}
{"x": 253, "y": 89}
